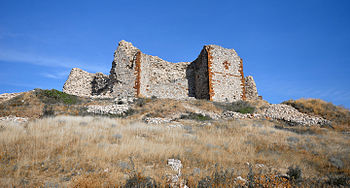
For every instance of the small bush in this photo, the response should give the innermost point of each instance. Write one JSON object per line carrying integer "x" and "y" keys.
{"x": 48, "y": 111}
{"x": 239, "y": 106}
{"x": 294, "y": 173}
{"x": 219, "y": 178}
{"x": 338, "y": 180}
{"x": 140, "y": 102}
{"x": 196, "y": 116}
{"x": 138, "y": 180}
{"x": 54, "y": 96}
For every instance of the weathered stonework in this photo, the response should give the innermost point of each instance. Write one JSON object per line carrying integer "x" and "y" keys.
{"x": 122, "y": 74}
{"x": 100, "y": 84}
{"x": 224, "y": 70}
{"x": 79, "y": 83}
{"x": 250, "y": 89}
{"x": 217, "y": 75}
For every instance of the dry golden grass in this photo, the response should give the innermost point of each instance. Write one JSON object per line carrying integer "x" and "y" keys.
{"x": 24, "y": 105}
{"x": 158, "y": 107}
{"x": 100, "y": 152}
{"x": 165, "y": 108}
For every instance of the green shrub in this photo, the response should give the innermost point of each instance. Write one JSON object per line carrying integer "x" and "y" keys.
{"x": 294, "y": 173}
{"x": 54, "y": 96}
{"x": 238, "y": 106}
{"x": 195, "y": 116}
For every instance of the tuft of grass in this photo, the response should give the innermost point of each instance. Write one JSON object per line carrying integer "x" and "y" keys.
{"x": 195, "y": 116}
{"x": 294, "y": 173}
{"x": 243, "y": 107}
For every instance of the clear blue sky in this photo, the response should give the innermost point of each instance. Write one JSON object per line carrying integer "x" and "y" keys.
{"x": 292, "y": 48}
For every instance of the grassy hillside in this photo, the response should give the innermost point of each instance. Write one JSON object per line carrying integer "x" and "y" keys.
{"x": 98, "y": 151}
{"x": 40, "y": 103}
{"x": 63, "y": 146}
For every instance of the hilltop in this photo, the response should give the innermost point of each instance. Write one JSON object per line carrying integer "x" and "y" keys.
{"x": 152, "y": 123}
{"x": 128, "y": 142}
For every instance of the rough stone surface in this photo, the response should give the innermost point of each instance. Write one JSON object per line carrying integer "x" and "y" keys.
{"x": 174, "y": 178}
{"x": 225, "y": 74}
{"x": 156, "y": 120}
{"x": 251, "y": 92}
{"x": 114, "y": 109}
{"x": 217, "y": 75}
{"x": 14, "y": 119}
{"x": 82, "y": 83}
{"x": 292, "y": 115}
{"x": 280, "y": 112}
{"x": 163, "y": 79}
{"x": 100, "y": 84}
{"x": 122, "y": 73}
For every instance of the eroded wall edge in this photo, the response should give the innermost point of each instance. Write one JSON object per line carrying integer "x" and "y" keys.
{"x": 210, "y": 73}
{"x": 243, "y": 97}
{"x": 137, "y": 74}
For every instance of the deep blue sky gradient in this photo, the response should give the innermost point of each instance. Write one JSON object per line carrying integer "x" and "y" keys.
{"x": 293, "y": 48}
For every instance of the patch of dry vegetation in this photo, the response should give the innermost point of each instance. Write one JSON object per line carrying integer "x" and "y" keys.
{"x": 340, "y": 116}
{"x": 154, "y": 107}
{"x": 40, "y": 103}
{"x": 103, "y": 152}
{"x": 165, "y": 108}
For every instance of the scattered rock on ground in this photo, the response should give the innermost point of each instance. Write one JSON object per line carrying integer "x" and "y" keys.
{"x": 14, "y": 119}
{"x": 292, "y": 115}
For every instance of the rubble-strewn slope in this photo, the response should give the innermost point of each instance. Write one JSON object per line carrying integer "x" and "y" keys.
{"x": 39, "y": 103}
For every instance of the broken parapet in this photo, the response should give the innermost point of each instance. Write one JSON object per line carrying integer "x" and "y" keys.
{"x": 216, "y": 75}
{"x": 84, "y": 84}
{"x": 251, "y": 92}
{"x": 79, "y": 83}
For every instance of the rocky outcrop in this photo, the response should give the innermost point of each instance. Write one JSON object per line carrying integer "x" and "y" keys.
{"x": 217, "y": 75}
{"x": 251, "y": 92}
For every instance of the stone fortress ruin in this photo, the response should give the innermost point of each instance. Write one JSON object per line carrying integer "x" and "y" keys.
{"x": 216, "y": 75}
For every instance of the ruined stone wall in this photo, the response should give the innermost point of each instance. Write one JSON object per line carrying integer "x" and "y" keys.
{"x": 163, "y": 79}
{"x": 250, "y": 88}
{"x": 225, "y": 74}
{"x": 201, "y": 76}
{"x": 79, "y": 83}
{"x": 122, "y": 74}
{"x": 217, "y": 75}
{"x": 99, "y": 84}
{"x": 85, "y": 84}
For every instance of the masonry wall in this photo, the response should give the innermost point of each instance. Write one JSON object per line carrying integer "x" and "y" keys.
{"x": 250, "y": 88}
{"x": 122, "y": 74}
{"x": 79, "y": 83}
{"x": 226, "y": 82}
{"x": 163, "y": 79}
{"x": 217, "y": 75}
